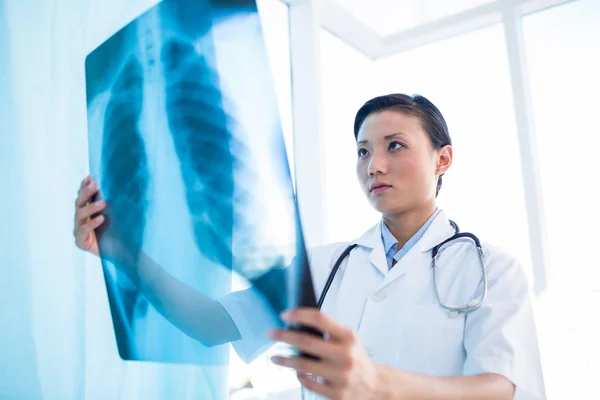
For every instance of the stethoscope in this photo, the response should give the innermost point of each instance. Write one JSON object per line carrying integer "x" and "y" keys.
{"x": 453, "y": 311}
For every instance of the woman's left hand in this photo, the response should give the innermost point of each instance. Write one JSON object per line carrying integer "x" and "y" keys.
{"x": 343, "y": 365}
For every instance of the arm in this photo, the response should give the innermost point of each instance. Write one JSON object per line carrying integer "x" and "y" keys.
{"x": 194, "y": 313}
{"x": 245, "y": 314}
{"x": 349, "y": 374}
{"x": 502, "y": 355}
{"x": 191, "y": 311}
{"x": 240, "y": 315}
{"x": 397, "y": 384}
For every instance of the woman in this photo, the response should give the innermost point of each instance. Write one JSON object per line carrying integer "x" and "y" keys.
{"x": 386, "y": 335}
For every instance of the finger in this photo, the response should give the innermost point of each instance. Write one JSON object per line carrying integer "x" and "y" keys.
{"x": 322, "y": 388}
{"x": 86, "y": 229}
{"x": 86, "y": 181}
{"x": 326, "y": 350}
{"x": 85, "y": 212}
{"x": 82, "y": 214}
{"x": 307, "y": 366}
{"x": 312, "y": 318}
{"x": 86, "y": 193}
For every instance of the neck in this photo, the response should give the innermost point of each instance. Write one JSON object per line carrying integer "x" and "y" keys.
{"x": 404, "y": 226}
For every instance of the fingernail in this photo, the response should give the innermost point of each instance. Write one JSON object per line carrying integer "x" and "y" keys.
{"x": 91, "y": 186}
{"x": 286, "y": 315}
{"x": 276, "y": 359}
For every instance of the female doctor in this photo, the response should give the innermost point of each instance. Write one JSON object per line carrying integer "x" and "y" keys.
{"x": 392, "y": 324}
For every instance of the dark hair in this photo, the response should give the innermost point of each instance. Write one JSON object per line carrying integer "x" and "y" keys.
{"x": 432, "y": 120}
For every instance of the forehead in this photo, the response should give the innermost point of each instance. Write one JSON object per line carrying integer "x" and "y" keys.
{"x": 378, "y": 125}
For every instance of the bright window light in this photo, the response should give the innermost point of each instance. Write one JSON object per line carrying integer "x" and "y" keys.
{"x": 562, "y": 46}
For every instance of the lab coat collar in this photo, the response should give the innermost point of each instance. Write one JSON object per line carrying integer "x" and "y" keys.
{"x": 439, "y": 230}
{"x": 371, "y": 239}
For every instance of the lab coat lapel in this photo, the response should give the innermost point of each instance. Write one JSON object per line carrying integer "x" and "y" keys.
{"x": 410, "y": 260}
{"x": 372, "y": 240}
{"x": 377, "y": 258}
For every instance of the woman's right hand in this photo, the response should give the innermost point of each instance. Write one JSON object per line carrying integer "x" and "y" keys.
{"x": 85, "y": 237}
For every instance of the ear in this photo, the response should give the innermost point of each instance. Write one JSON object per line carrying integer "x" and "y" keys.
{"x": 444, "y": 160}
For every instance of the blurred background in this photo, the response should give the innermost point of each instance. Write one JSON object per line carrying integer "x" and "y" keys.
{"x": 518, "y": 83}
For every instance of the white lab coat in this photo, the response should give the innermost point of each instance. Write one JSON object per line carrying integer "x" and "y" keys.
{"x": 398, "y": 320}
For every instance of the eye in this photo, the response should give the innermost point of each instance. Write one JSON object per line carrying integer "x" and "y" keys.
{"x": 362, "y": 152}
{"x": 396, "y": 145}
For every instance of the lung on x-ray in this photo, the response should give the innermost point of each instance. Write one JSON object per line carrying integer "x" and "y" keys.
{"x": 186, "y": 145}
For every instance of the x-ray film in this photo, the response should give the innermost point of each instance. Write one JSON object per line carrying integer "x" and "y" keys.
{"x": 186, "y": 145}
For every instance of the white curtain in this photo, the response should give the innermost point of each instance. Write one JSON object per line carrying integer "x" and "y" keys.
{"x": 18, "y": 367}
{"x": 56, "y": 338}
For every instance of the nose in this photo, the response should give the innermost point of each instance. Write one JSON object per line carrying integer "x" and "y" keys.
{"x": 377, "y": 164}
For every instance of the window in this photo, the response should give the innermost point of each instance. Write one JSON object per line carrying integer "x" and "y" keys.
{"x": 467, "y": 78}
{"x": 388, "y": 17}
{"x": 347, "y": 82}
{"x": 562, "y": 55}
{"x": 274, "y": 18}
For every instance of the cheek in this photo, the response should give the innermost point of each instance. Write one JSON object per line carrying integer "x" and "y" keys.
{"x": 411, "y": 171}
{"x": 361, "y": 173}
{"x": 406, "y": 169}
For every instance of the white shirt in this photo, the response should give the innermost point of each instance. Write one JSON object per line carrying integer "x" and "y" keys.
{"x": 397, "y": 317}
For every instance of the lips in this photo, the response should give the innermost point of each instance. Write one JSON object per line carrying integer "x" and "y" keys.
{"x": 379, "y": 185}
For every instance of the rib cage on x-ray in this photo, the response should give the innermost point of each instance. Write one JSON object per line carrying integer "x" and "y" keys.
{"x": 202, "y": 142}
{"x": 198, "y": 127}
{"x": 169, "y": 115}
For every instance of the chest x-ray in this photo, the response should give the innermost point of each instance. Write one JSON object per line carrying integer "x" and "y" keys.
{"x": 186, "y": 144}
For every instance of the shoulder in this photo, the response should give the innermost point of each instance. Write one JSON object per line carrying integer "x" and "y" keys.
{"x": 499, "y": 257}
{"x": 503, "y": 266}
{"x": 321, "y": 260}
{"x": 325, "y": 255}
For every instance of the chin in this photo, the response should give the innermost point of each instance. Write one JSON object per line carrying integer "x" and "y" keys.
{"x": 387, "y": 207}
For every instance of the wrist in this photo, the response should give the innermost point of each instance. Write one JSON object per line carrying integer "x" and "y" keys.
{"x": 381, "y": 383}
{"x": 392, "y": 383}
{"x": 384, "y": 383}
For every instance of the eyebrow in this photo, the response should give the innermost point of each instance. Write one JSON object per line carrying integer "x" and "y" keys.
{"x": 387, "y": 137}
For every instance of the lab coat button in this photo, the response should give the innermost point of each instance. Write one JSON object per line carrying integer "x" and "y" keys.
{"x": 377, "y": 297}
